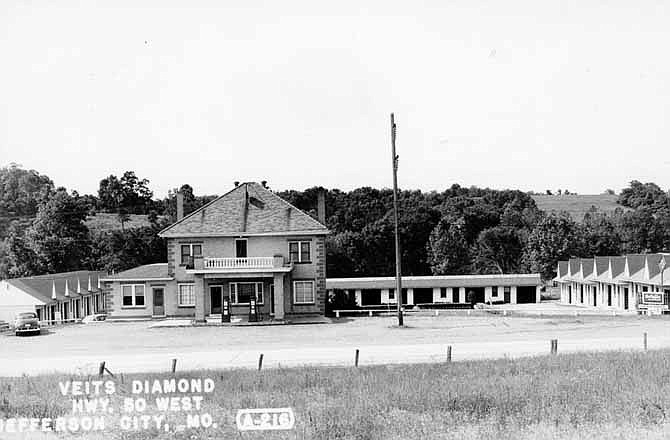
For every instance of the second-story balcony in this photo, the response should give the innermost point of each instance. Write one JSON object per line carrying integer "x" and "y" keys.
{"x": 239, "y": 264}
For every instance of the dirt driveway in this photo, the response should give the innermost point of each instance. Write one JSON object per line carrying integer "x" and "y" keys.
{"x": 134, "y": 347}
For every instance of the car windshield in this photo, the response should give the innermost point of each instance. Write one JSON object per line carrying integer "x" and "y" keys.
{"x": 27, "y": 315}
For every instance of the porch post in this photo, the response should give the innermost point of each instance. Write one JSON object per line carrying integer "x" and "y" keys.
{"x": 279, "y": 295}
{"x": 199, "y": 298}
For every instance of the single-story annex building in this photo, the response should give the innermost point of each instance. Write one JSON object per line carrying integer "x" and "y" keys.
{"x": 56, "y": 298}
{"x": 636, "y": 282}
{"x": 444, "y": 289}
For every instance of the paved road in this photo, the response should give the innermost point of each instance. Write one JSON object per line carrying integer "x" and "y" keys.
{"x": 134, "y": 347}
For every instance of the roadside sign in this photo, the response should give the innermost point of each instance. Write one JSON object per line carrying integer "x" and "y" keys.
{"x": 652, "y": 297}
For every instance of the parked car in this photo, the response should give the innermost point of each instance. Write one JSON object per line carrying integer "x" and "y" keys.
{"x": 92, "y": 319}
{"x": 4, "y": 325}
{"x": 26, "y": 322}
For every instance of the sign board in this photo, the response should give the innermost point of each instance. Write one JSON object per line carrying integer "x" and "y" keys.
{"x": 652, "y": 297}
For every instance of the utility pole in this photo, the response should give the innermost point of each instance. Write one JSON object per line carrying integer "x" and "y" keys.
{"x": 398, "y": 272}
{"x": 661, "y": 266}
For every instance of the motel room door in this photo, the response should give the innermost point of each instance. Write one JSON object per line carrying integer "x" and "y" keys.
{"x": 625, "y": 298}
{"x": 159, "y": 301}
{"x": 216, "y": 298}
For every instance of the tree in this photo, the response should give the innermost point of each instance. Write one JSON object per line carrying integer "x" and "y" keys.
{"x": 642, "y": 230}
{"x": 600, "y": 235}
{"x": 556, "y": 237}
{"x": 110, "y": 193}
{"x": 499, "y": 250}
{"x": 19, "y": 258}
{"x": 21, "y": 192}
{"x": 191, "y": 201}
{"x": 639, "y": 195}
{"x": 129, "y": 192}
{"x": 59, "y": 236}
{"x": 447, "y": 248}
{"x": 119, "y": 250}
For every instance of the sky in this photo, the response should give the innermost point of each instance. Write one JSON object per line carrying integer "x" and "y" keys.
{"x": 529, "y": 95}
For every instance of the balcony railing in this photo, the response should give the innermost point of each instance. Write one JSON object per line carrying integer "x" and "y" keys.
{"x": 243, "y": 263}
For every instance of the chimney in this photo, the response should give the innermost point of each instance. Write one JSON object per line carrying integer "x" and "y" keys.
{"x": 321, "y": 206}
{"x": 180, "y": 205}
{"x": 236, "y": 183}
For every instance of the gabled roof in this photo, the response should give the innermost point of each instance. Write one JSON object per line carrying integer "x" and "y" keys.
{"x": 156, "y": 271}
{"x": 249, "y": 209}
{"x": 587, "y": 267}
{"x": 635, "y": 264}
{"x": 656, "y": 279}
{"x": 639, "y": 268}
{"x": 561, "y": 270}
{"x": 573, "y": 267}
{"x": 601, "y": 265}
{"x": 618, "y": 265}
{"x": 42, "y": 287}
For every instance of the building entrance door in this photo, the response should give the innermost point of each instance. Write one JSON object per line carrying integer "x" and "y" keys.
{"x": 159, "y": 301}
{"x": 216, "y": 297}
{"x": 272, "y": 299}
{"x": 625, "y": 298}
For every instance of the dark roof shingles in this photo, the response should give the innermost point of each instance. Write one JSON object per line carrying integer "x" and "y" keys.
{"x": 266, "y": 213}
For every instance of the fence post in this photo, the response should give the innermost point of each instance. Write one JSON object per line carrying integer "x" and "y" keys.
{"x": 448, "y": 353}
{"x": 101, "y": 369}
{"x": 356, "y": 361}
{"x": 174, "y": 365}
{"x": 260, "y": 362}
{"x": 644, "y": 340}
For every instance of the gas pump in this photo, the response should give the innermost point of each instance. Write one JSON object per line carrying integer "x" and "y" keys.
{"x": 225, "y": 310}
{"x": 253, "y": 310}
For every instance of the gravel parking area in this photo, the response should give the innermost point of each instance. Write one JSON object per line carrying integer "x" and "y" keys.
{"x": 135, "y": 347}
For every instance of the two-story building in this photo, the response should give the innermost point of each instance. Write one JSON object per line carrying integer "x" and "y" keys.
{"x": 248, "y": 243}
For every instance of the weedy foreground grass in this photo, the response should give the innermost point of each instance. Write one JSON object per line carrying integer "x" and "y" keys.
{"x": 586, "y": 395}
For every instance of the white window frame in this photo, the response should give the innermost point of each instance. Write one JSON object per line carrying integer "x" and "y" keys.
{"x": 300, "y": 243}
{"x": 134, "y": 296}
{"x": 179, "y": 286}
{"x": 295, "y": 289}
{"x": 233, "y": 292}
{"x": 190, "y": 250}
